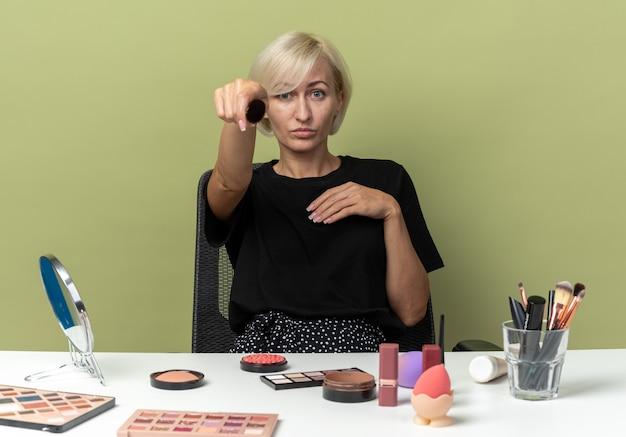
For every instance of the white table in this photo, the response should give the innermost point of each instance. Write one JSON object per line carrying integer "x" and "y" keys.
{"x": 591, "y": 400}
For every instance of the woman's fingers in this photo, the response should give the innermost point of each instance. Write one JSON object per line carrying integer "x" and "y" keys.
{"x": 330, "y": 205}
{"x": 319, "y": 202}
{"x": 232, "y": 100}
{"x": 336, "y": 206}
{"x": 218, "y": 101}
{"x": 341, "y": 214}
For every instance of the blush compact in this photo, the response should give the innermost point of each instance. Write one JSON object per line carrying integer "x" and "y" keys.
{"x": 176, "y": 379}
{"x": 262, "y": 363}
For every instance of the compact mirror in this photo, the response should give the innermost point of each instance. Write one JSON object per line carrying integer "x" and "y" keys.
{"x": 71, "y": 314}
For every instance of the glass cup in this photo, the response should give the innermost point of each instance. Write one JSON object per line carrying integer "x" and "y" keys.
{"x": 535, "y": 360}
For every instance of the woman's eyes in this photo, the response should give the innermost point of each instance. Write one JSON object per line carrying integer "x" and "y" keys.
{"x": 316, "y": 94}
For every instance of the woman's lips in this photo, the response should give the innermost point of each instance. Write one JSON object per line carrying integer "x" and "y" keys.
{"x": 303, "y": 133}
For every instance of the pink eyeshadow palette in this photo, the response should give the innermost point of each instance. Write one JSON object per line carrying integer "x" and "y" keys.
{"x": 45, "y": 410}
{"x": 160, "y": 423}
{"x": 283, "y": 381}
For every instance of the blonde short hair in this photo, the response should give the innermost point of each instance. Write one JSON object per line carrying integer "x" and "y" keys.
{"x": 285, "y": 62}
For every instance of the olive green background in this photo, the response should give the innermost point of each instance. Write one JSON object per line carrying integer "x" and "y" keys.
{"x": 509, "y": 116}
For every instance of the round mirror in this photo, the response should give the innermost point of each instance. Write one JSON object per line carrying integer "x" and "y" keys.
{"x": 66, "y": 303}
{"x": 70, "y": 312}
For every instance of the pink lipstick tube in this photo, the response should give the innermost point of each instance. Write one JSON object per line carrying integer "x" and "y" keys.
{"x": 388, "y": 375}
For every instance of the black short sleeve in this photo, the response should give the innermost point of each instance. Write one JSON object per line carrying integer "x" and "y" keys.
{"x": 416, "y": 225}
{"x": 219, "y": 232}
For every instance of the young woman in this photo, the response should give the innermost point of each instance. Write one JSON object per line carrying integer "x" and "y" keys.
{"x": 330, "y": 253}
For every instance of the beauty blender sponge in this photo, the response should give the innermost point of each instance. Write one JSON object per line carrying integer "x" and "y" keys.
{"x": 409, "y": 368}
{"x": 434, "y": 382}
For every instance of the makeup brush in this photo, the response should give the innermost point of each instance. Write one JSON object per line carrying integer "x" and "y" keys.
{"x": 522, "y": 293}
{"x": 562, "y": 294}
{"x": 441, "y": 344}
{"x": 557, "y": 308}
{"x": 550, "y": 308}
{"x": 568, "y": 313}
{"x": 517, "y": 313}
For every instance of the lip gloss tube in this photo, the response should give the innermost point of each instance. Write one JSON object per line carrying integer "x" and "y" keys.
{"x": 388, "y": 375}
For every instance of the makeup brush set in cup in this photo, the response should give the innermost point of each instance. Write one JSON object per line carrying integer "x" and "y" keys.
{"x": 535, "y": 346}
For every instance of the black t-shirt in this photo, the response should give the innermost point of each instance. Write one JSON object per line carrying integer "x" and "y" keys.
{"x": 283, "y": 261}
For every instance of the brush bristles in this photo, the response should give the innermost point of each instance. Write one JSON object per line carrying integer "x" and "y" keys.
{"x": 578, "y": 288}
{"x": 563, "y": 293}
{"x": 581, "y": 294}
{"x": 565, "y": 284}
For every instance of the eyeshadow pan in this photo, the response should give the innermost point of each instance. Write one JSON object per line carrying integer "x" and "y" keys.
{"x": 279, "y": 376}
{"x": 12, "y": 407}
{"x": 313, "y": 373}
{"x": 282, "y": 381}
{"x": 182, "y": 429}
{"x": 69, "y": 413}
{"x": 166, "y": 421}
{"x": 36, "y": 405}
{"x": 6, "y": 401}
{"x": 72, "y": 397}
{"x": 28, "y": 398}
{"x": 259, "y": 418}
{"x": 211, "y": 423}
{"x": 144, "y": 414}
{"x": 302, "y": 379}
{"x": 293, "y": 375}
{"x": 252, "y": 431}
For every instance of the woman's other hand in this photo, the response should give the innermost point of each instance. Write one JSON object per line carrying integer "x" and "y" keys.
{"x": 352, "y": 199}
{"x": 232, "y": 100}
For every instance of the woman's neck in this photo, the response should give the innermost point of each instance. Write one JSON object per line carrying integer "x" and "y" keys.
{"x": 299, "y": 165}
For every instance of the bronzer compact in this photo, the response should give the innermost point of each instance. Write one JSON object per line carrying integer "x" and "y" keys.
{"x": 71, "y": 314}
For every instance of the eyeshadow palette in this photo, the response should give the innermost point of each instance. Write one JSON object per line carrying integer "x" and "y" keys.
{"x": 46, "y": 410}
{"x": 282, "y": 381}
{"x": 161, "y": 423}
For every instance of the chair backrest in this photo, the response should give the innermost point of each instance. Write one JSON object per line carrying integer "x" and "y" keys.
{"x": 213, "y": 278}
